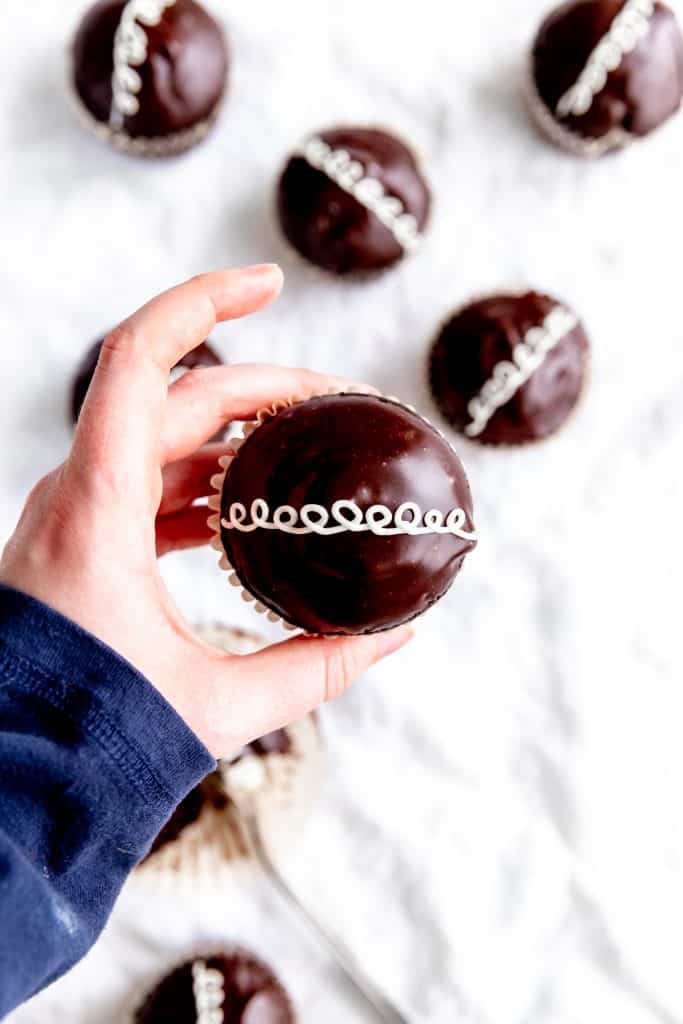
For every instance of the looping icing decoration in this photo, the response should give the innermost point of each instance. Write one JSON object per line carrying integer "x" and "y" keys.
{"x": 509, "y": 376}
{"x": 130, "y": 52}
{"x": 347, "y": 517}
{"x": 207, "y": 987}
{"x": 629, "y": 27}
{"x": 349, "y": 175}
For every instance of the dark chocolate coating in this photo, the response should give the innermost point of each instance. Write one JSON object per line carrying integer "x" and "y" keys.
{"x": 484, "y": 334}
{"x": 331, "y": 228}
{"x": 253, "y": 994}
{"x": 643, "y": 92}
{"x": 203, "y": 355}
{"x": 183, "y": 78}
{"x": 354, "y": 448}
{"x": 211, "y": 791}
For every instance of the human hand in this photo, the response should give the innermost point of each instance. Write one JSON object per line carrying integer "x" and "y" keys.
{"x": 88, "y": 539}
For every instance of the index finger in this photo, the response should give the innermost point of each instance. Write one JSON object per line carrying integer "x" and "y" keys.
{"x": 122, "y": 416}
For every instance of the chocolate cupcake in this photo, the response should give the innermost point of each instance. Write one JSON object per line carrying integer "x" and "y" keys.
{"x": 229, "y": 987}
{"x": 149, "y": 75}
{"x": 342, "y": 514}
{"x": 509, "y": 369}
{"x": 203, "y": 355}
{"x": 204, "y": 833}
{"x": 353, "y": 200}
{"x": 605, "y": 72}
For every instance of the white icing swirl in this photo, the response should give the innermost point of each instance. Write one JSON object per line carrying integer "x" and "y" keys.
{"x": 130, "y": 52}
{"x": 347, "y": 517}
{"x": 626, "y": 31}
{"x": 509, "y": 376}
{"x": 349, "y": 175}
{"x": 207, "y": 987}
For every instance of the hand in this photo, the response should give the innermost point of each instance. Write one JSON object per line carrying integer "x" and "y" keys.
{"x": 90, "y": 533}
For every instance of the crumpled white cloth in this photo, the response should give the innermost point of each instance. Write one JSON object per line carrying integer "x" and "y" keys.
{"x": 500, "y": 835}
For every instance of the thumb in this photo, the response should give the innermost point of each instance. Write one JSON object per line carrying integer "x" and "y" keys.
{"x": 283, "y": 683}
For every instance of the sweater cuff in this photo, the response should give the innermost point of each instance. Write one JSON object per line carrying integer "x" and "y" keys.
{"x": 50, "y": 656}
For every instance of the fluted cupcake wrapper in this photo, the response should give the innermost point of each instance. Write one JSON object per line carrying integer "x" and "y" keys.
{"x": 215, "y": 840}
{"x": 205, "y": 848}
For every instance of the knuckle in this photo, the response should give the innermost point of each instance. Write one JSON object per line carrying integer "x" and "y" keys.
{"x": 47, "y": 492}
{"x": 44, "y": 528}
{"x": 40, "y": 489}
{"x": 128, "y": 346}
{"x": 119, "y": 342}
{"x": 201, "y": 285}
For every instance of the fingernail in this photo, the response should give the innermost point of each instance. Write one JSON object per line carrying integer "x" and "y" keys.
{"x": 391, "y": 642}
{"x": 263, "y": 270}
{"x": 261, "y": 277}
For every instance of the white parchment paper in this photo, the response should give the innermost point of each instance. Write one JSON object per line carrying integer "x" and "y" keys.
{"x": 500, "y": 835}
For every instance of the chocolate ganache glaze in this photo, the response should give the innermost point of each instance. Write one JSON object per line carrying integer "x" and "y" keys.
{"x": 353, "y": 200}
{"x": 634, "y": 82}
{"x": 203, "y": 355}
{"x": 509, "y": 369}
{"x": 244, "y": 989}
{"x": 182, "y": 73}
{"x": 362, "y": 451}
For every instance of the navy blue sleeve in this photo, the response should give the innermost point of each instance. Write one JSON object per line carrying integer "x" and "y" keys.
{"x": 93, "y": 761}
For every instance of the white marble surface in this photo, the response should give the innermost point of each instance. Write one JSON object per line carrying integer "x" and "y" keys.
{"x": 500, "y": 834}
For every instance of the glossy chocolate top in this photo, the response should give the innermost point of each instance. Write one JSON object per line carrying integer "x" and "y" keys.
{"x": 640, "y": 94}
{"x": 483, "y": 335}
{"x": 203, "y": 355}
{"x": 333, "y": 229}
{"x": 252, "y": 994}
{"x": 183, "y": 78}
{"x": 355, "y": 448}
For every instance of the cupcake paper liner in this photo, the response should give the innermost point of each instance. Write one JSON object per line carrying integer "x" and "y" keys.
{"x": 215, "y": 840}
{"x": 225, "y": 461}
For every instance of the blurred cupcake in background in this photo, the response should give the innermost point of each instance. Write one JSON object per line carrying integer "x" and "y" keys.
{"x": 604, "y": 73}
{"x": 202, "y": 356}
{"x": 510, "y": 369}
{"x": 353, "y": 200}
{"x": 225, "y": 987}
{"x": 149, "y": 76}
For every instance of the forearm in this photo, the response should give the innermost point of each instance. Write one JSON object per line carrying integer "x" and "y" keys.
{"x": 92, "y": 763}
